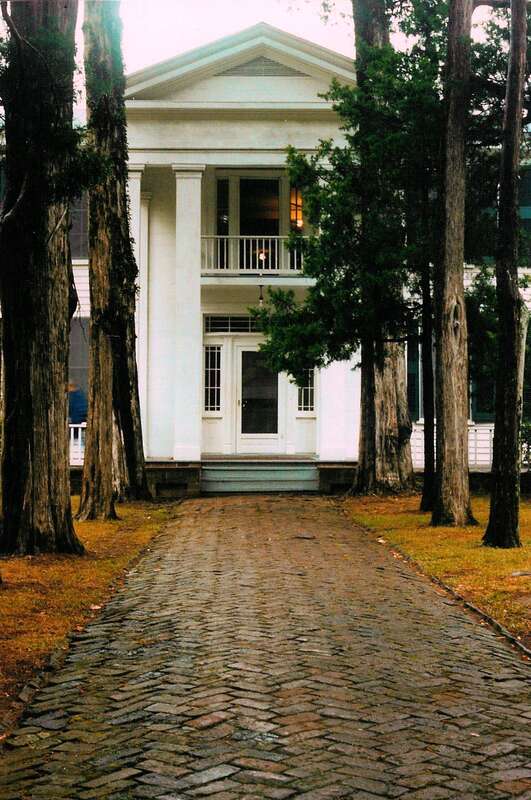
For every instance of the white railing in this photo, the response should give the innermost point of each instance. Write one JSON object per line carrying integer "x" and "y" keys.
{"x": 480, "y": 439}
{"x": 249, "y": 254}
{"x": 77, "y": 444}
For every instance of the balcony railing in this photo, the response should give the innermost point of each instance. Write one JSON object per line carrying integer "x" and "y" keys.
{"x": 77, "y": 444}
{"x": 249, "y": 254}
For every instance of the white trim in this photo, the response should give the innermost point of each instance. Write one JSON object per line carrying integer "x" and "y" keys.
{"x": 217, "y": 157}
{"x": 261, "y": 39}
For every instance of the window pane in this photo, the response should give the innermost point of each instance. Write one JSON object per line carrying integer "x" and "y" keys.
{"x": 78, "y": 359}
{"x": 213, "y": 377}
{"x": 307, "y": 392}
{"x": 79, "y": 227}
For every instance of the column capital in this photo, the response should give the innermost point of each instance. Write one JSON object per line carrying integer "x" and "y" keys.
{"x": 135, "y": 169}
{"x": 188, "y": 170}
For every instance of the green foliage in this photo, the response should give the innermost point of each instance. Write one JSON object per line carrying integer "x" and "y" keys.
{"x": 482, "y": 319}
{"x": 49, "y": 57}
{"x": 389, "y": 173}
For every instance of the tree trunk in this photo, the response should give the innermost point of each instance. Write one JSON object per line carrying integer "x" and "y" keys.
{"x": 97, "y": 489}
{"x": 385, "y": 463}
{"x": 107, "y": 123}
{"x": 428, "y": 396}
{"x": 503, "y": 526}
{"x": 37, "y": 94}
{"x": 385, "y": 427}
{"x": 452, "y": 499}
{"x": 120, "y": 480}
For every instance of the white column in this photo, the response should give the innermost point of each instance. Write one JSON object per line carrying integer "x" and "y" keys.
{"x": 142, "y": 322}
{"x": 138, "y": 231}
{"x": 188, "y": 330}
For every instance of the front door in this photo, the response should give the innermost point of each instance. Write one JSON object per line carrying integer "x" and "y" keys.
{"x": 258, "y": 423}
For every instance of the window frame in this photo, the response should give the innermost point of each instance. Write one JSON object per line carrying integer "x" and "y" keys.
{"x": 309, "y": 413}
{"x": 219, "y": 412}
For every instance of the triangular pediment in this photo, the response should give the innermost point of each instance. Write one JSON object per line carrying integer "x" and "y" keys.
{"x": 259, "y": 51}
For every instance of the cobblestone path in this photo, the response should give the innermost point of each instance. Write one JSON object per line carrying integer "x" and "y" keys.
{"x": 266, "y": 649}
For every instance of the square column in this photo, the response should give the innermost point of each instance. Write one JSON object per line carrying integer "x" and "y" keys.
{"x": 188, "y": 328}
{"x": 137, "y": 232}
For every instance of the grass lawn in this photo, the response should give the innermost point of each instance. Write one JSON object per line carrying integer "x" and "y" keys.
{"x": 43, "y": 598}
{"x": 482, "y": 575}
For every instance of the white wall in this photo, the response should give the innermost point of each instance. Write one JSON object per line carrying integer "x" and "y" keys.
{"x": 338, "y": 415}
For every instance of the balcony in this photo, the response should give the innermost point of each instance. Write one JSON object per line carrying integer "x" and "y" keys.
{"x": 249, "y": 255}
{"x": 77, "y": 444}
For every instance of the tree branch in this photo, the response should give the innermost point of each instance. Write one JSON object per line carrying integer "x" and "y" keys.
{"x": 11, "y": 214}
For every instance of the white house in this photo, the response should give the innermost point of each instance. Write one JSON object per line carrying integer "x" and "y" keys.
{"x": 211, "y": 209}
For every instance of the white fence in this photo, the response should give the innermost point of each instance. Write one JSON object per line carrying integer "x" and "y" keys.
{"x": 77, "y": 444}
{"x": 480, "y": 437}
{"x": 479, "y": 445}
{"x": 249, "y": 254}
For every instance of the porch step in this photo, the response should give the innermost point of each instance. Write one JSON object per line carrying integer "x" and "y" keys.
{"x": 222, "y": 477}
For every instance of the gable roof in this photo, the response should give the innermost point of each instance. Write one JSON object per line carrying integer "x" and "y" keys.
{"x": 255, "y": 45}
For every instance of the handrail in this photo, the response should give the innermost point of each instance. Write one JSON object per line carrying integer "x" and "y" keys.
{"x": 249, "y": 254}
{"x": 480, "y": 442}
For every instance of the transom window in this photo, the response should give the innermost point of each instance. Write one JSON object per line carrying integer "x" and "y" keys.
{"x": 231, "y": 324}
{"x": 307, "y": 392}
{"x": 213, "y": 377}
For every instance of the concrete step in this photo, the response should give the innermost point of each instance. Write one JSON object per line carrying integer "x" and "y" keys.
{"x": 237, "y": 476}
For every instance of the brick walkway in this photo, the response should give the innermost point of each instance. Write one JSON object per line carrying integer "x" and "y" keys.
{"x": 266, "y": 649}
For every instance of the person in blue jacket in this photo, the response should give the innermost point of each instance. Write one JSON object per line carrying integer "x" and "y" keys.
{"x": 77, "y": 404}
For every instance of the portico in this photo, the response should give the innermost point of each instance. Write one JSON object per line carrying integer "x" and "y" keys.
{"x": 211, "y": 212}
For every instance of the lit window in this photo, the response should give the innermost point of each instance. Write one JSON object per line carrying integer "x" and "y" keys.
{"x": 307, "y": 392}
{"x": 295, "y": 209}
{"x": 213, "y": 377}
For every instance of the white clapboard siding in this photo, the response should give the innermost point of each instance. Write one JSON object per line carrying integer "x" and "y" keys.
{"x": 81, "y": 280}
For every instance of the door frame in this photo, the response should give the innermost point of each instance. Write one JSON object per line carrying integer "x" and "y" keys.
{"x": 257, "y": 443}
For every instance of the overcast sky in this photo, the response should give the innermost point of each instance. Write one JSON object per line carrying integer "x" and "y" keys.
{"x": 158, "y": 29}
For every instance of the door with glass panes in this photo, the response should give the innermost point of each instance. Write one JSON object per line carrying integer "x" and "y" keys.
{"x": 259, "y": 422}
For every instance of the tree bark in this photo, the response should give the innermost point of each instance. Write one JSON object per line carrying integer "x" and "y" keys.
{"x": 107, "y": 122}
{"x": 385, "y": 427}
{"x": 385, "y": 463}
{"x": 428, "y": 395}
{"x": 452, "y": 499}
{"x": 37, "y": 95}
{"x": 503, "y": 526}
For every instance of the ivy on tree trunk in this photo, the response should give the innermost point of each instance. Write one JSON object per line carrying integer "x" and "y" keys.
{"x": 503, "y": 525}
{"x": 36, "y": 87}
{"x": 113, "y": 273}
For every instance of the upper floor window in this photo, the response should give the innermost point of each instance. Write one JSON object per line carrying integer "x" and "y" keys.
{"x": 79, "y": 227}
{"x": 295, "y": 209}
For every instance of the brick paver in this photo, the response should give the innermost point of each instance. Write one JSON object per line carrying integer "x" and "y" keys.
{"x": 265, "y": 648}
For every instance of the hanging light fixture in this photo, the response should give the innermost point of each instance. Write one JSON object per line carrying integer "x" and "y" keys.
{"x": 261, "y": 296}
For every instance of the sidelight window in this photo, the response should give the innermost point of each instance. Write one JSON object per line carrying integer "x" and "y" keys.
{"x": 213, "y": 377}
{"x": 307, "y": 392}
